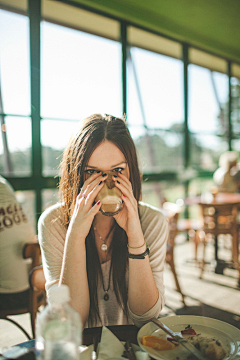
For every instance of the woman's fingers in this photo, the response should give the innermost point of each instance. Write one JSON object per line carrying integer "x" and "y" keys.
{"x": 95, "y": 208}
{"x": 90, "y": 184}
{"x": 126, "y": 180}
{"x": 84, "y": 210}
{"x": 127, "y": 195}
{"x": 124, "y": 185}
{"x": 88, "y": 193}
{"x": 88, "y": 200}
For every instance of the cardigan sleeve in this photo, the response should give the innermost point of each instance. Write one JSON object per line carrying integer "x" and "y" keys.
{"x": 155, "y": 231}
{"x": 51, "y": 235}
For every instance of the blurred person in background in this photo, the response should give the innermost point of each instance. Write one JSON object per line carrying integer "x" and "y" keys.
{"x": 227, "y": 176}
{"x": 15, "y": 231}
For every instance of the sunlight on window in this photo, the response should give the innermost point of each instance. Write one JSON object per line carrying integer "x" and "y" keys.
{"x": 14, "y": 63}
{"x": 81, "y": 74}
{"x": 16, "y": 150}
{"x": 208, "y": 100}
{"x": 155, "y": 90}
{"x": 206, "y": 150}
{"x": 155, "y": 101}
{"x": 235, "y": 89}
{"x": 53, "y": 148}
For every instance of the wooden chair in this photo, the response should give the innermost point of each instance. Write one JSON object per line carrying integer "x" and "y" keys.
{"x": 38, "y": 294}
{"x": 221, "y": 219}
{"x": 172, "y": 212}
{"x": 193, "y": 228}
{"x": 37, "y": 297}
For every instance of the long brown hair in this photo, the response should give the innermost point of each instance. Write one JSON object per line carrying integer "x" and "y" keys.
{"x": 92, "y": 132}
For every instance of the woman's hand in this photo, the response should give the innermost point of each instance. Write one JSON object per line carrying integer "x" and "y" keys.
{"x": 84, "y": 210}
{"x": 128, "y": 217}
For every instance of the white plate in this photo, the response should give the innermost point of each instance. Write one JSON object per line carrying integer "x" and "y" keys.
{"x": 226, "y": 333}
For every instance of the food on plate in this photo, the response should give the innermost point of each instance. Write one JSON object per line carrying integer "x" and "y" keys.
{"x": 209, "y": 346}
{"x": 188, "y": 331}
{"x": 157, "y": 342}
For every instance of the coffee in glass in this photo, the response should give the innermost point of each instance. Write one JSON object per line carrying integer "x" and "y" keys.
{"x": 110, "y": 197}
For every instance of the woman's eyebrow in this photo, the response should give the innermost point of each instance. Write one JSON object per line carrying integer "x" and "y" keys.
{"x": 112, "y": 167}
{"x": 92, "y": 167}
{"x": 123, "y": 162}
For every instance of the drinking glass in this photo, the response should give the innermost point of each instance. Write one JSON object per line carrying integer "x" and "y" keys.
{"x": 110, "y": 196}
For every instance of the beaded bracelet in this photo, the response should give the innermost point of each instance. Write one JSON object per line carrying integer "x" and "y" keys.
{"x": 137, "y": 247}
{"x": 139, "y": 256}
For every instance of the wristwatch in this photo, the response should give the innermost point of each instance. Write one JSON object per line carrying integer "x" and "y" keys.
{"x": 139, "y": 256}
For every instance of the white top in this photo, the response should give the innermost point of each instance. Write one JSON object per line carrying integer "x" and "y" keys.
{"x": 51, "y": 235}
{"x": 226, "y": 180}
{"x": 15, "y": 231}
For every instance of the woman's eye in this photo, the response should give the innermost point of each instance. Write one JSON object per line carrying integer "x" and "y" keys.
{"x": 90, "y": 171}
{"x": 118, "y": 169}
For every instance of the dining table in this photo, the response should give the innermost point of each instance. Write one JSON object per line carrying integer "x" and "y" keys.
{"x": 122, "y": 332}
{"x": 216, "y": 201}
{"x": 226, "y": 334}
{"x": 210, "y": 198}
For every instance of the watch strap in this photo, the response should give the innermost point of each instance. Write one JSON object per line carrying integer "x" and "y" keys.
{"x": 139, "y": 256}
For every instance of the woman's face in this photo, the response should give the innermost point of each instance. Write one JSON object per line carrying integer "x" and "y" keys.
{"x": 107, "y": 157}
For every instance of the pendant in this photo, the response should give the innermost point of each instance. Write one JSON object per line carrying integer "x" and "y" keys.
{"x": 104, "y": 247}
{"x": 106, "y": 296}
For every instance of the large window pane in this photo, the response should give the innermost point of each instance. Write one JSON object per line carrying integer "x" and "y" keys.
{"x": 81, "y": 74}
{"x": 156, "y": 193}
{"x": 159, "y": 150}
{"x": 208, "y": 101}
{"x": 14, "y": 63}
{"x": 53, "y": 146}
{"x": 236, "y": 145}
{"x": 235, "y": 90}
{"x": 15, "y": 146}
{"x": 50, "y": 197}
{"x": 206, "y": 150}
{"x": 154, "y": 90}
{"x": 27, "y": 199}
{"x": 155, "y": 101}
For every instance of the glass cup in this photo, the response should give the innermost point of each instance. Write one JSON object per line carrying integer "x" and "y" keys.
{"x": 110, "y": 197}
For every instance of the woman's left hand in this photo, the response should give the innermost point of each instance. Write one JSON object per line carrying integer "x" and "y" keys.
{"x": 128, "y": 217}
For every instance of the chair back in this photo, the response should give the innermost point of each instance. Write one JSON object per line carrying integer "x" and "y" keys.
{"x": 222, "y": 218}
{"x": 32, "y": 251}
{"x": 219, "y": 218}
{"x": 37, "y": 279}
{"x": 172, "y": 212}
{"x": 37, "y": 294}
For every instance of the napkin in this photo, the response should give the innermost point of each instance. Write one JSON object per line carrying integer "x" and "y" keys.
{"x": 109, "y": 346}
{"x": 112, "y": 348}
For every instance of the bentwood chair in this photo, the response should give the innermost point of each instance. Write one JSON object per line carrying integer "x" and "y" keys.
{"x": 37, "y": 296}
{"x": 221, "y": 218}
{"x": 172, "y": 212}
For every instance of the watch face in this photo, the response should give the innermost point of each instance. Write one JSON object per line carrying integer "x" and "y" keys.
{"x": 14, "y": 352}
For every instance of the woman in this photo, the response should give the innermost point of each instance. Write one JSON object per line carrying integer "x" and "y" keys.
{"x": 226, "y": 177}
{"x": 111, "y": 286}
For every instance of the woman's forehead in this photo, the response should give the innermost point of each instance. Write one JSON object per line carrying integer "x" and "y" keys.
{"x": 106, "y": 155}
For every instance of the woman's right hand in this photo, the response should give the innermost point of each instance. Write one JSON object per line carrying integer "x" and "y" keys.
{"x": 84, "y": 210}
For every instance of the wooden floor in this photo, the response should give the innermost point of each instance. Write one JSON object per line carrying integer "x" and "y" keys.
{"x": 215, "y": 296}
